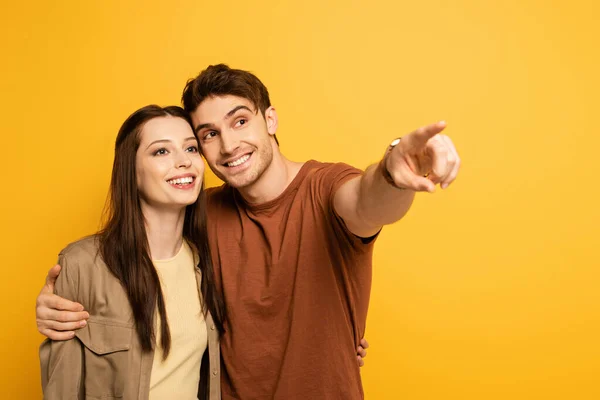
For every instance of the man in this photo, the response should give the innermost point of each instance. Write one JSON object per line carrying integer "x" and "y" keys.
{"x": 291, "y": 242}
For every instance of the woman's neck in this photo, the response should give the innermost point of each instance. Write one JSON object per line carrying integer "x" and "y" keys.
{"x": 164, "y": 229}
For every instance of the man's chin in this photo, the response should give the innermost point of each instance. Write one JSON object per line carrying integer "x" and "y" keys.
{"x": 242, "y": 179}
{"x": 239, "y": 181}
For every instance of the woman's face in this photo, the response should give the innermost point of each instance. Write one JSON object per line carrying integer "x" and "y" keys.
{"x": 168, "y": 164}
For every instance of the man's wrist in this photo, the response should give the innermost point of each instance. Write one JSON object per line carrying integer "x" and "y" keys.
{"x": 385, "y": 172}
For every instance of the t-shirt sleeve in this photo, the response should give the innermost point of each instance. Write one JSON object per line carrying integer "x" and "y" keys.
{"x": 331, "y": 178}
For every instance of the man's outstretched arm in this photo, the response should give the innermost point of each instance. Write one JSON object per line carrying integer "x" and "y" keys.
{"x": 385, "y": 192}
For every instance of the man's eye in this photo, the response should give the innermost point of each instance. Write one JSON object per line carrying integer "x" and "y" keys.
{"x": 160, "y": 152}
{"x": 210, "y": 134}
{"x": 242, "y": 121}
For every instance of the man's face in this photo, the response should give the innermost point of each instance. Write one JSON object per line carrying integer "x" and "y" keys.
{"x": 235, "y": 138}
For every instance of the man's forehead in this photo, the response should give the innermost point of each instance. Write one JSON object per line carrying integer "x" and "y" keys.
{"x": 215, "y": 108}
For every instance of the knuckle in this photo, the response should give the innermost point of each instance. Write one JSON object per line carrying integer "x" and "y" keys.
{"x": 441, "y": 150}
{"x": 63, "y": 316}
{"x": 61, "y": 303}
{"x": 41, "y": 300}
{"x": 40, "y": 313}
{"x": 64, "y": 327}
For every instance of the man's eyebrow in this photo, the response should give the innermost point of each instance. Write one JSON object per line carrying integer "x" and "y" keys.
{"x": 235, "y": 109}
{"x": 228, "y": 115}
{"x": 202, "y": 126}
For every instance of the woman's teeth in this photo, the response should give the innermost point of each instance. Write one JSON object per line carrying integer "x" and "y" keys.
{"x": 181, "y": 181}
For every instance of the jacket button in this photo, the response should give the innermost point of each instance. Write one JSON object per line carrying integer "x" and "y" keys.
{"x": 212, "y": 327}
{"x": 215, "y": 372}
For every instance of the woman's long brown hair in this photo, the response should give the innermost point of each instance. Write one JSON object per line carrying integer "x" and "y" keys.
{"x": 124, "y": 244}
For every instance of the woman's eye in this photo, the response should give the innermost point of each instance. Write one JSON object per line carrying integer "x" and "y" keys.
{"x": 192, "y": 149}
{"x": 160, "y": 152}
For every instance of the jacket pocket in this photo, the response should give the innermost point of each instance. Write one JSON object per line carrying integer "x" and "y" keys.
{"x": 106, "y": 358}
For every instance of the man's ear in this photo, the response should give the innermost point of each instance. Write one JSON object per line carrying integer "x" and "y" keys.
{"x": 271, "y": 119}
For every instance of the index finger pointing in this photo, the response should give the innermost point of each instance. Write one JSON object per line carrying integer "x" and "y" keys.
{"x": 424, "y": 133}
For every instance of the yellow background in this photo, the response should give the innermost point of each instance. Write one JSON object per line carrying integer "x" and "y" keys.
{"x": 488, "y": 290}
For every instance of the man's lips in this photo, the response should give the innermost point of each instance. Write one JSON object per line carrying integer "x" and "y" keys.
{"x": 236, "y": 161}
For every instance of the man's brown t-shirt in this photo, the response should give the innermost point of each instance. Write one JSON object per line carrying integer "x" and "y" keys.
{"x": 296, "y": 285}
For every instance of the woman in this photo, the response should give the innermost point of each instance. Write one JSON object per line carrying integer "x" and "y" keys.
{"x": 146, "y": 278}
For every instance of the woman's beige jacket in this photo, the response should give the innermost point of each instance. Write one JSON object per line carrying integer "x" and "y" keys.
{"x": 105, "y": 359}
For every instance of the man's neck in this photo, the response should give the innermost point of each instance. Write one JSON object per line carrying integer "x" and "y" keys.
{"x": 164, "y": 229}
{"x": 276, "y": 178}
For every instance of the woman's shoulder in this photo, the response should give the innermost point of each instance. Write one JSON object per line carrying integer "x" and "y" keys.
{"x": 81, "y": 253}
{"x": 85, "y": 278}
{"x": 87, "y": 247}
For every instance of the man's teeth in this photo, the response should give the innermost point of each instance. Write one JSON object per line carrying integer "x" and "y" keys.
{"x": 239, "y": 161}
{"x": 181, "y": 181}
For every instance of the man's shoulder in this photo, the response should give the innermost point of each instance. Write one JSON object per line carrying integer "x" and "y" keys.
{"x": 218, "y": 193}
{"x": 215, "y": 190}
{"x": 219, "y": 196}
{"x": 321, "y": 166}
{"x": 328, "y": 173}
